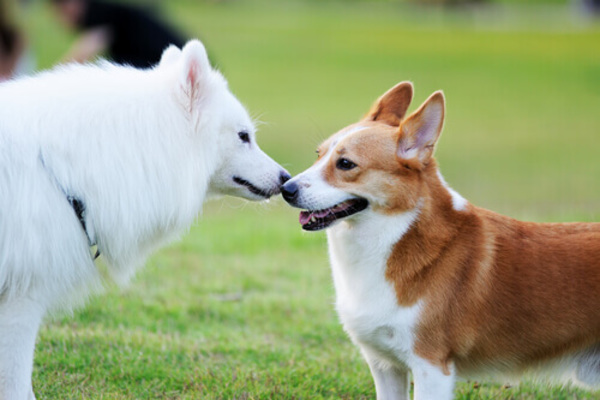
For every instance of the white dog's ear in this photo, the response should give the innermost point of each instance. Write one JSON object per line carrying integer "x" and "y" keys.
{"x": 391, "y": 107}
{"x": 196, "y": 69}
{"x": 170, "y": 55}
{"x": 420, "y": 131}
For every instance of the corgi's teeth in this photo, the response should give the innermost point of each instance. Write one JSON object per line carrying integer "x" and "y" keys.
{"x": 313, "y": 219}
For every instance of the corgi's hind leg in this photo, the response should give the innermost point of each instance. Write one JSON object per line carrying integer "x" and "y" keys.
{"x": 587, "y": 370}
{"x": 19, "y": 323}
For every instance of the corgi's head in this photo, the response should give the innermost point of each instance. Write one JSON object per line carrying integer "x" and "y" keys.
{"x": 379, "y": 164}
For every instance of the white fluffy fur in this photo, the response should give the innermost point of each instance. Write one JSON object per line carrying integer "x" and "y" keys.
{"x": 141, "y": 148}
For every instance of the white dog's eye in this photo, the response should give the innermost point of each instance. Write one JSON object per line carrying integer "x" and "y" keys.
{"x": 244, "y": 136}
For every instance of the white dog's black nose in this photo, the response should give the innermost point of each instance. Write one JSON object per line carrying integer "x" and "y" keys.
{"x": 284, "y": 176}
{"x": 289, "y": 191}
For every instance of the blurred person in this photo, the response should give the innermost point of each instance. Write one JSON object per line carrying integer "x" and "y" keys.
{"x": 15, "y": 59}
{"x": 124, "y": 33}
{"x": 591, "y": 7}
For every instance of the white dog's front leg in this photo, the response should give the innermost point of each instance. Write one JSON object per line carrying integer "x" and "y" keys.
{"x": 19, "y": 323}
{"x": 431, "y": 383}
{"x": 391, "y": 382}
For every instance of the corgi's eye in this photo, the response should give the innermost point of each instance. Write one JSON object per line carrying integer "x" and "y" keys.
{"x": 244, "y": 136}
{"x": 344, "y": 164}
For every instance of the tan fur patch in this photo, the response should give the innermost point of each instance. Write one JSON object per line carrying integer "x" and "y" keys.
{"x": 389, "y": 183}
{"x": 497, "y": 291}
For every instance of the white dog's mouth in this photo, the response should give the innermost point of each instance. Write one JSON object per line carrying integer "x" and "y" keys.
{"x": 255, "y": 190}
{"x": 314, "y": 220}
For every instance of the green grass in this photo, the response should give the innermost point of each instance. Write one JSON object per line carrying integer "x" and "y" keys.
{"x": 241, "y": 308}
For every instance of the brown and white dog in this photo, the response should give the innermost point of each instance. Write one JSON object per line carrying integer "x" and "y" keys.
{"x": 429, "y": 283}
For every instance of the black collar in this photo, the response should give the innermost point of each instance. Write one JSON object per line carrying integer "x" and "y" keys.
{"x": 78, "y": 207}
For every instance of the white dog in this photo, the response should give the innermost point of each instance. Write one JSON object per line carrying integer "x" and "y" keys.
{"x": 113, "y": 157}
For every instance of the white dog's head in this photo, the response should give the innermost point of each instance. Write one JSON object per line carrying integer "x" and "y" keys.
{"x": 238, "y": 166}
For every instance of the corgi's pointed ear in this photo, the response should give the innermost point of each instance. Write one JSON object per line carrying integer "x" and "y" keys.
{"x": 196, "y": 68}
{"x": 391, "y": 107}
{"x": 420, "y": 131}
{"x": 170, "y": 55}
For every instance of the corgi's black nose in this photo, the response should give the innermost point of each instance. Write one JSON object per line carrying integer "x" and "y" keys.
{"x": 289, "y": 191}
{"x": 284, "y": 177}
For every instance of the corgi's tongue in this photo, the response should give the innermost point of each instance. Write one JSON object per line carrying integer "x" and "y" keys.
{"x": 314, "y": 220}
{"x": 307, "y": 216}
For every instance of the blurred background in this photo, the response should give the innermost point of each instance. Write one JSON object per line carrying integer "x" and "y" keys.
{"x": 242, "y": 307}
{"x": 522, "y": 78}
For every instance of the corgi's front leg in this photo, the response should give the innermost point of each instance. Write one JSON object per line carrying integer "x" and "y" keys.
{"x": 431, "y": 383}
{"x": 20, "y": 319}
{"x": 391, "y": 382}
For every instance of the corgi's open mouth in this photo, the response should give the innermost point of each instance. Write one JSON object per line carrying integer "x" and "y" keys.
{"x": 314, "y": 220}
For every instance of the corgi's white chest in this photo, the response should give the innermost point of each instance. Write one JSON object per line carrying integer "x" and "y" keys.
{"x": 366, "y": 302}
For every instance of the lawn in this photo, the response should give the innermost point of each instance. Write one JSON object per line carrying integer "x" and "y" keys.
{"x": 241, "y": 307}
